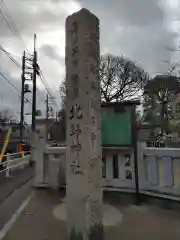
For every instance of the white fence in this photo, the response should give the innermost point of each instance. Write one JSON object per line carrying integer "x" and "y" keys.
{"x": 14, "y": 161}
{"x": 158, "y": 170}
{"x": 50, "y": 165}
{"x": 118, "y": 170}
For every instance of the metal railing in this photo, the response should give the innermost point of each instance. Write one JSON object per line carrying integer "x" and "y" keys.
{"x": 14, "y": 161}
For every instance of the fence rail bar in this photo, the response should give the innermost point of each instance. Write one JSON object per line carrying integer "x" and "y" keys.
{"x": 6, "y": 169}
{"x": 13, "y": 160}
{"x": 19, "y": 153}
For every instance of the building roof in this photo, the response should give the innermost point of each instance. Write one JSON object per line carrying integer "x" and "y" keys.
{"x": 121, "y": 104}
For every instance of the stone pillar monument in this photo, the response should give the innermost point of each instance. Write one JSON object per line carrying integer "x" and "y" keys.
{"x": 83, "y": 168}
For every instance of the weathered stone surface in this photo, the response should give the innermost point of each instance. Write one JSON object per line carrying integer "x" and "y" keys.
{"x": 83, "y": 168}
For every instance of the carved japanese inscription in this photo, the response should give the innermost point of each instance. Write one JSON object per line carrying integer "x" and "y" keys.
{"x": 83, "y": 156}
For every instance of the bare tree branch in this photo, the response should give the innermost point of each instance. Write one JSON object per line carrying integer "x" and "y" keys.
{"x": 121, "y": 79}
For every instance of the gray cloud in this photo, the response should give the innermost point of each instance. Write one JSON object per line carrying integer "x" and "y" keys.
{"x": 33, "y": 16}
{"x": 137, "y": 29}
{"x": 127, "y": 12}
{"x": 30, "y": 16}
{"x": 52, "y": 52}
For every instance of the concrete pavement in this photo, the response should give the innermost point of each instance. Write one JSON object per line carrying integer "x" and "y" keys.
{"x": 45, "y": 218}
{"x": 13, "y": 202}
{"x": 19, "y": 177}
{"x": 13, "y": 191}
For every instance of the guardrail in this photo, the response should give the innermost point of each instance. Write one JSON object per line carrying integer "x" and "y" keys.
{"x": 14, "y": 161}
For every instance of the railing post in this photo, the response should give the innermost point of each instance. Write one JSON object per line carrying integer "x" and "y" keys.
{"x": 38, "y": 154}
{"x": 8, "y": 158}
{"x": 22, "y": 156}
{"x": 142, "y": 167}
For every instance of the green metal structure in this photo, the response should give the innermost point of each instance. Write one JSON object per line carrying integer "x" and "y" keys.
{"x": 116, "y": 123}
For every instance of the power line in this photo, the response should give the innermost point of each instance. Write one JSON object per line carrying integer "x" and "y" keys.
{"x": 43, "y": 80}
{"x": 9, "y": 56}
{"x": 12, "y": 57}
{"x": 11, "y": 24}
{"x": 12, "y": 85}
{"x": 42, "y": 98}
{"x": 9, "y": 82}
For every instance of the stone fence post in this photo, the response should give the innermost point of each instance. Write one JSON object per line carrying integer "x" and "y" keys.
{"x": 38, "y": 157}
{"x": 8, "y": 171}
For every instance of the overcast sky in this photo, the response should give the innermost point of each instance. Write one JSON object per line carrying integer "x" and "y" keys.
{"x": 142, "y": 30}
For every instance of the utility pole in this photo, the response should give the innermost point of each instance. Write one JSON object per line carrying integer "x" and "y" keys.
{"x": 47, "y": 115}
{"x": 22, "y": 99}
{"x": 47, "y": 107}
{"x": 56, "y": 116}
{"x": 34, "y": 87}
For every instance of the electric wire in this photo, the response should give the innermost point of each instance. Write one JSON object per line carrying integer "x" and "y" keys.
{"x": 12, "y": 85}
{"x": 11, "y": 24}
{"x": 10, "y": 56}
{"x": 43, "y": 80}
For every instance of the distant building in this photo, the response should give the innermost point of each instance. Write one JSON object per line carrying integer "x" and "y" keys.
{"x": 43, "y": 127}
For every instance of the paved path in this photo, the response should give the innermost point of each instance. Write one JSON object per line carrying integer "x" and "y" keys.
{"x": 19, "y": 177}
{"x": 13, "y": 191}
{"x": 13, "y": 202}
{"x": 38, "y": 221}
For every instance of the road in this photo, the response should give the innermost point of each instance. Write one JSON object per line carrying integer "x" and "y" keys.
{"x": 13, "y": 191}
